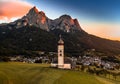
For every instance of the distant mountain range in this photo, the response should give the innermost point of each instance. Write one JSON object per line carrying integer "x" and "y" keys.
{"x": 36, "y": 32}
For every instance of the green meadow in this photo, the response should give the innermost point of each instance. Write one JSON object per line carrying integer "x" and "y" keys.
{"x": 23, "y": 73}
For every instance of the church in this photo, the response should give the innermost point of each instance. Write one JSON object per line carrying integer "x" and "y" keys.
{"x": 61, "y": 61}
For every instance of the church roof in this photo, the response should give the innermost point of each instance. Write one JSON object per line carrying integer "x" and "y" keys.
{"x": 61, "y": 41}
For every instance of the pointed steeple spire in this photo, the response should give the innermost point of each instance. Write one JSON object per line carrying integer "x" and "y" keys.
{"x": 60, "y": 42}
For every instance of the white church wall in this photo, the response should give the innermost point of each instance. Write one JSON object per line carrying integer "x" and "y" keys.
{"x": 67, "y": 66}
{"x": 60, "y": 56}
{"x": 61, "y": 63}
{"x": 54, "y": 65}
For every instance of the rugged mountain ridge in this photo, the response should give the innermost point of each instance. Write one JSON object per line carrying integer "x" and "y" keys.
{"x": 36, "y": 32}
{"x": 39, "y": 19}
{"x": 36, "y": 18}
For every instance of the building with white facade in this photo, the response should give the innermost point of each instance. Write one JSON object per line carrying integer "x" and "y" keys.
{"x": 61, "y": 63}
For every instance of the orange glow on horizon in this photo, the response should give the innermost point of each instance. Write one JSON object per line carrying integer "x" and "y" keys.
{"x": 104, "y": 30}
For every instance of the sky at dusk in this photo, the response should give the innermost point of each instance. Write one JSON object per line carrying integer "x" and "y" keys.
{"x": 97, "y": 17}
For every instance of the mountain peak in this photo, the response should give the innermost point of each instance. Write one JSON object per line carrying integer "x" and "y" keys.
{"x": 67, "y": 23}
{"x": 37, "y": 18}
{"x": 35, "y": 9}
{"x": 77, "y": 23}
{"x": 65, "y": 16}
{"x": 42, "y": 13}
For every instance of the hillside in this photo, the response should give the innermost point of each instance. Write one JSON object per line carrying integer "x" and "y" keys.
{"x": 36, "y": 32}
{"x": 31, "y": 38}
{"x": 21, "y": 73}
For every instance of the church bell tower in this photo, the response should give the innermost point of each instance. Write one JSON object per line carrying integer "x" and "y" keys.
{"x": 60, "y": 53}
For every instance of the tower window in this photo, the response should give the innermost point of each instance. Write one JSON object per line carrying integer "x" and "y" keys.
{"x": 60, "y": 54}
{"x": 60, "y": 50}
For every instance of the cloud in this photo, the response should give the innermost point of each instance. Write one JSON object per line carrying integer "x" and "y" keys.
{"x": 13, "y": 9}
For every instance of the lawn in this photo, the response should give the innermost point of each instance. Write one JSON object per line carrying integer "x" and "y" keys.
{"x": 23, "y": 73}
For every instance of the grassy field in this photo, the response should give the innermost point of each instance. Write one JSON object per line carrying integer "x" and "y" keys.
{"x": 22, "y": 73}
